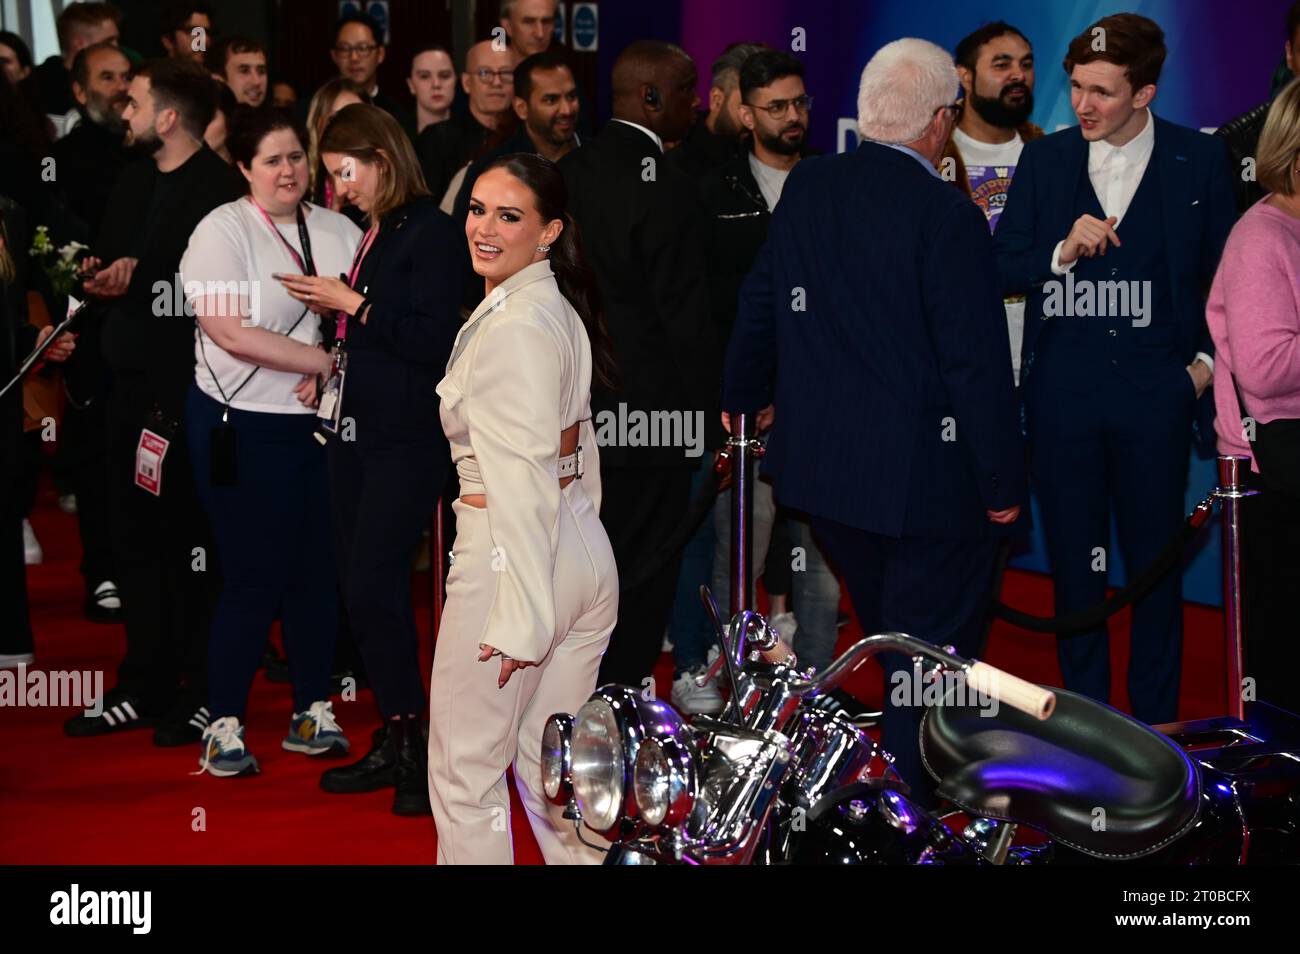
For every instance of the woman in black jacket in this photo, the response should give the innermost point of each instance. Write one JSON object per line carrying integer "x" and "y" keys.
{"x": 398, "y": 317}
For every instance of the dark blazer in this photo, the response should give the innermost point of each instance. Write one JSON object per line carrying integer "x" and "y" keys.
{"x": 894, "y": 399}
{"x": 397, "y": 358}
{"x": 1197, "y": 203}
{"x": 641, "y": 225}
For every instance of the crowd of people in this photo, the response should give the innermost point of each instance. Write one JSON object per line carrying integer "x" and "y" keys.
{"x": 310, "y": 319}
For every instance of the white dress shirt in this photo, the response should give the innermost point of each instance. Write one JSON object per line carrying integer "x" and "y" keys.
{"x": 1115, "y": 173}
{"x": 649, "y": 132}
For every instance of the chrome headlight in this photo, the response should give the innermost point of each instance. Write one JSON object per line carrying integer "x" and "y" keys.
{"x": 664, "y": 782}
{"x": 557, "y": 758}
{"x": 598, "y": 765}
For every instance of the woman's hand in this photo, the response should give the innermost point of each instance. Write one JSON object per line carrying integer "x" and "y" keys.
{"x": 508, "y": 665}
{"x": 306, "y": 391}
{"x": 58, "y": 352}
{"x": 322, "y": 295}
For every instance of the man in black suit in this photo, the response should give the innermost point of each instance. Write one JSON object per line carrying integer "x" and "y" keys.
{"x": 886, "y": 362}
{"x": 641, "y": 225}
{"x": 1113, "y": 230}
{"x": 87, "y": 162}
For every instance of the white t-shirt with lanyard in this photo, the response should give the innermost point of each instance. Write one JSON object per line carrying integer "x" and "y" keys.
{"x": 238, "y": 243}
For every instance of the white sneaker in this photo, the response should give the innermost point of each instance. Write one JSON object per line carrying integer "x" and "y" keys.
{"x": 14, "y": 660}
{"x": 31, "y": 546}
{"x": 690, "y": 698}
{"x": 785, "y": 624}
{"x": 68, "y": 503}
{"x": 106, "y": 596}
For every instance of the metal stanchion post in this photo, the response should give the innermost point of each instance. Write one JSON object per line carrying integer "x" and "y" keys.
{"x": 742, "y": 450}
{"x": 1231, "y": 492}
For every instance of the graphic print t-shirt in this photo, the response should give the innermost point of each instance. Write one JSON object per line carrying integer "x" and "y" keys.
{"x": 990, "y": 168}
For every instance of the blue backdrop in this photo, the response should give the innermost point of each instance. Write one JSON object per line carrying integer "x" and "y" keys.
{"x": 1222, "y": 57}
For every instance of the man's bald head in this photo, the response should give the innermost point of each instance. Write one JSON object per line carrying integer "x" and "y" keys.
{"x": 488, "y": 81}
{"x": 654, "y": 85}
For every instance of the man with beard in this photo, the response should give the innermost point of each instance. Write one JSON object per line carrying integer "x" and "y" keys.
{"x": 79, "y": 25}
{"x": 739, "y": 199}
{"x": 716, "y": 134}
{"x": 87, "y": 162}
{"x": 995, "y": 65}
{"x": 88, "y": 159}
{"x": 162, "y": 552}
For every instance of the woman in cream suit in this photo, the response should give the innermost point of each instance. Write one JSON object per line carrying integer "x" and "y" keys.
{"x": 533, "y": 591}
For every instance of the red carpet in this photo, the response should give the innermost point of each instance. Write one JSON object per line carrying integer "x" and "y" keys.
{"x": 119, "y": 800}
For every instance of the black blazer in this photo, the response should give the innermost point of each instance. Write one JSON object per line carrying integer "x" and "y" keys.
{"x": 872, "y": 320}
{"x": 1196, "y": 200}
{"x": 397, "y": 358}
{"x": 641, "y": 224}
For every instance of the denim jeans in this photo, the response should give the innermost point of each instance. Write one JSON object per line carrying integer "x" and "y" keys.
{"x": 815, "y": 591}
{"x": 689, "y": 628}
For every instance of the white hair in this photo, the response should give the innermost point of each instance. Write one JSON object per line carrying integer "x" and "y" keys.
{"x": 901, "y": 87}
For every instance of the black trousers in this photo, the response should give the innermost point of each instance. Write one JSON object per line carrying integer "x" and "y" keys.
{"x": 15, "y": 624}
{"x": 83, "y": 452}
{"x": 165, "y": 560}
{"x": 931, "y": 588}
{"x": 641, "y": 508}
{"x": 382, "y": 495}
{"x": 1271, "y": 583}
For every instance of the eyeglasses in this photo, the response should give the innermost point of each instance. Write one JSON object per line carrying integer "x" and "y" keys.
{"x": 485, "y": 75}
{"x": 952, "y": 108}
{"x": 358, "y": 49}
{"x": 778, "y": 107}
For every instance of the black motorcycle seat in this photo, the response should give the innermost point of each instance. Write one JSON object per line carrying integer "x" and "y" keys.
{"x": 1089, "y": 776}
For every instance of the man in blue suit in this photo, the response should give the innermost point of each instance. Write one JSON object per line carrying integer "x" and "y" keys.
{"x": 898, "y": 434}
{"x": 1113, "y": 229}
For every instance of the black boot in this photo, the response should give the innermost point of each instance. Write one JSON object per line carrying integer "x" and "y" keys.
{"x": 412, "y": 766}
{"x": 375, "y": 771}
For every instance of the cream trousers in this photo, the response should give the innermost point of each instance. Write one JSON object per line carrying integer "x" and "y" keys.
{"x": 477, "y": 730}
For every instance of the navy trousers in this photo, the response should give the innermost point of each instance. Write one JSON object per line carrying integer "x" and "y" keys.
{"x": 382, "y": 496}
{"x": 272, "y": 533}
{"x": 1117, "y": 445}
{"x": 931, "y": 588}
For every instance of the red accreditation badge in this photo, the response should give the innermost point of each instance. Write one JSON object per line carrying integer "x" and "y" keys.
{"x": 149, "y": 456}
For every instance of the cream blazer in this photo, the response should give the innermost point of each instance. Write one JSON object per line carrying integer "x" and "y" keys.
{"x": 519, "y": 375}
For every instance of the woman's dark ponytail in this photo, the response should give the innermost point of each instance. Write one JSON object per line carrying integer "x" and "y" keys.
{"x": 573, "y": 274}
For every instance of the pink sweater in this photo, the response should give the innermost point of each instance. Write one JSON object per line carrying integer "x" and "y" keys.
{"x": 1254, "y": 318}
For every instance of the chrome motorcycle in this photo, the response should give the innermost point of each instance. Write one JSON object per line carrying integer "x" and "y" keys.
{"x": 784, "y": 775}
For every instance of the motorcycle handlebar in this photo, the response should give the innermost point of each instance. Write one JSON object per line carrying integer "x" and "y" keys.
{"x": 1011, "y": 690}
{"x": 989, "y": 680}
